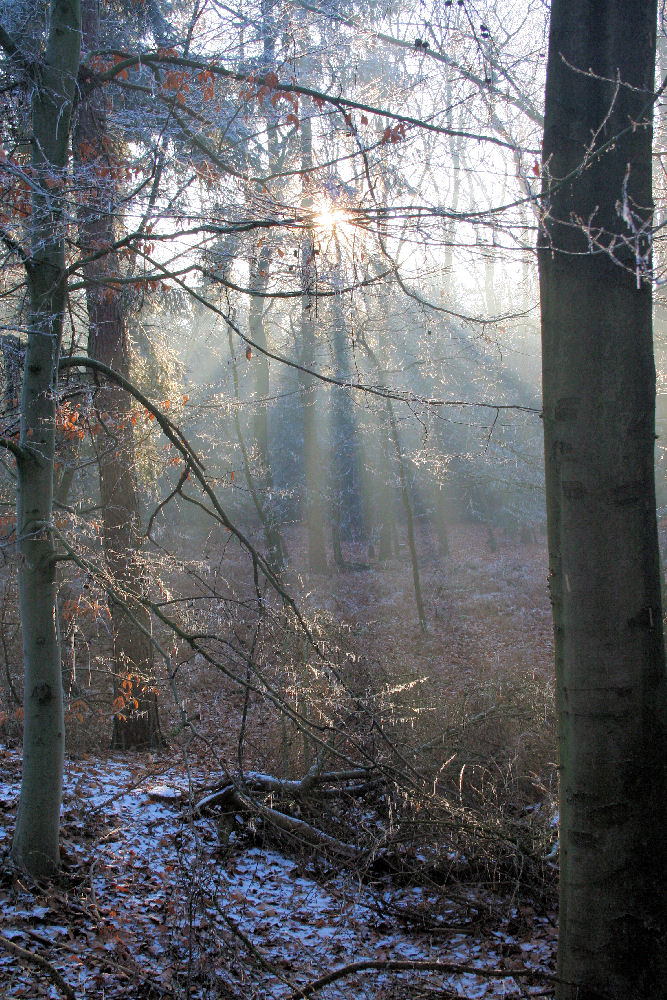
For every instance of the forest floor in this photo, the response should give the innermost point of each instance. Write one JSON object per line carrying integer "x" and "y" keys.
{"x": 155, "y": 900}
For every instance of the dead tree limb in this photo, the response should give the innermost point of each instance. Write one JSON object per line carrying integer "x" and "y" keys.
{"x": 306, "y": 832}
{"x": 298, "y": 827}
{"x": 313, "y": 782}
{"x": 40, "y": 962}
{"x": 404, "y": 965}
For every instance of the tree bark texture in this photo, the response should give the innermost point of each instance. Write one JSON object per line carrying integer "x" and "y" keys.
{"x": 35, "y": 845}
{"x": 604, "y": 570}
{"x": 136, "y": 722}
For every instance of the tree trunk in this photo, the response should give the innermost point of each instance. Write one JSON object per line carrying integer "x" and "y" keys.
{"x": 604, "y": 572}
{"x": 405, "y": 496}
{"x": 317, "y": 557}
{"x": 384, "y": 490}
{"x": 275, "y": 545}
{"x": 35, "y": 845}
{"x": 136, "y": 722}
{"x": 259, "y": 277}
{"x": 409, "y": 518}
{"x": 347, "y": 501}
{"x": 440, "y": 522}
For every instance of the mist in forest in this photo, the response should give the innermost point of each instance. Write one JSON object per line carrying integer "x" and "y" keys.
{"x": 296, "y": 689}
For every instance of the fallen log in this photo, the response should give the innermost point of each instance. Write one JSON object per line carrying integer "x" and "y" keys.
{"x": 240, "y": 794}
{"x": 298, "y": 827}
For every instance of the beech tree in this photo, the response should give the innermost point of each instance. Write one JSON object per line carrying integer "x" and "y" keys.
{"x": 53, "y": 83}
{"x": 604, "y": 567}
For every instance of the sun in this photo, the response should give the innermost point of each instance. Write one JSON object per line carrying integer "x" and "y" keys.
{"x": 328, "y": 218}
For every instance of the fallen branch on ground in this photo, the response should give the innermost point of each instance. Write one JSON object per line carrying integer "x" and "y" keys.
{"x": 298, "y": 827}
{"x": 40, "y": 962}
{"x": 254, "y": 781}
{"x": 229, "y": 795}
{"x": 238, "y": 793}
{"x": 405, "y": 965}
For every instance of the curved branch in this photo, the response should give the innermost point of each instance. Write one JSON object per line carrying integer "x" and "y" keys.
{"x": 381, "y": 391}
{"x": 153, "y": 59}
{"x": 16, "y": 449}
{"x": 405, "y": 965}
{"x": 180, "y": 442}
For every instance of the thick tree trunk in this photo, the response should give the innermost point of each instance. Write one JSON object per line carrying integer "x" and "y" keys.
{"x": 35, "y": 845}
{"x": 604, "y": 572}
{"x": 136, "y": 722}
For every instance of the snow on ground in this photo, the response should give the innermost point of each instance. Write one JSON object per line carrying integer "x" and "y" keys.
{"x": 151, "y": 904}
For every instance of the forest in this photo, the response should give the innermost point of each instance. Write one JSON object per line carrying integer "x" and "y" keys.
{"x": 333, "y": 508}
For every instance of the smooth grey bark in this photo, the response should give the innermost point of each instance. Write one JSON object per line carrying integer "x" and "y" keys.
{"x": 604, "y": 570}
{"x": 35, "y": 845}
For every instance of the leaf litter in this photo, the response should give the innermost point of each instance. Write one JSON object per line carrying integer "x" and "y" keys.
{"x": 155, "y": 903}
{"x": 161, "y": 904}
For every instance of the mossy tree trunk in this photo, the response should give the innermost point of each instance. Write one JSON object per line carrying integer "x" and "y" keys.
{"x": 35, "y": 845}
{"x": 604, "y": 569}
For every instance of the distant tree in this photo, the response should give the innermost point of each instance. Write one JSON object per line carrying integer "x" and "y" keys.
{"x": 317, "y": 555}
{"x": 347, "y": 509}
{"x": 604, "y": 567}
